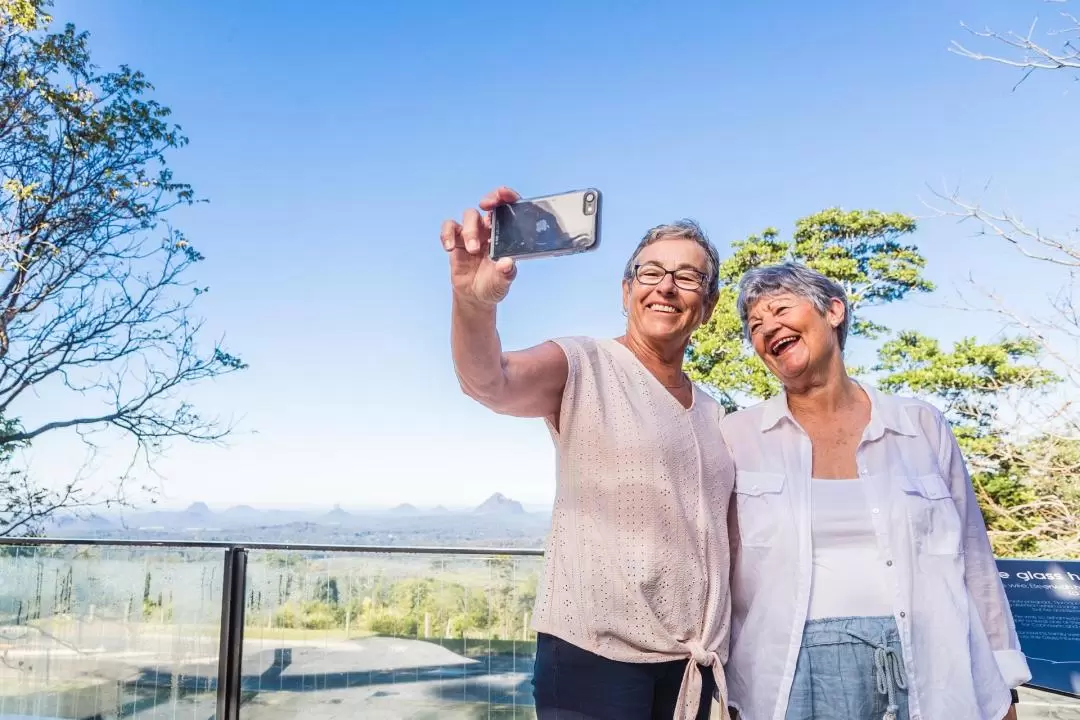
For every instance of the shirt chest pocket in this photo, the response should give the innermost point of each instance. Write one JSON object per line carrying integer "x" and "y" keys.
{"x": 760, "y": 507}
{"x": 935, "y": 524}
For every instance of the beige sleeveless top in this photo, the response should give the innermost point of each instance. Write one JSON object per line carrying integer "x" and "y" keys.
{"x": 637, "y": 559}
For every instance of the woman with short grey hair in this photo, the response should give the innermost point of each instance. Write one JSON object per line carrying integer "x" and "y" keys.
{"x": 632, "y": 615}
{"x": 863, "y": 583}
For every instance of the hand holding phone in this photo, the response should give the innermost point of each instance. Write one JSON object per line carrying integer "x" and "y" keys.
{"x": 474, "y": 275}
{"x": 483, "y": 248}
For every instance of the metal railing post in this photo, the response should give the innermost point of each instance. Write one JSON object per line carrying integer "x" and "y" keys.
{"x": 231, "y": 646}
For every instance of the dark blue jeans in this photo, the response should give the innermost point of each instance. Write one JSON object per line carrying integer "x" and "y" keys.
{"x": 573, "y": 684}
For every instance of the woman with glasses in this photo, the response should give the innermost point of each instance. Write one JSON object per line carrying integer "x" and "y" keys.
{"x": 632, "y": 614}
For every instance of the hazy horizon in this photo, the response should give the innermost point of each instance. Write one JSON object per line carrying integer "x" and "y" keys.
{"x": 220, "y": 507}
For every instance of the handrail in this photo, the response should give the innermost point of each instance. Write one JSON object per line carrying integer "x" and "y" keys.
{"x": 308, "y": 547}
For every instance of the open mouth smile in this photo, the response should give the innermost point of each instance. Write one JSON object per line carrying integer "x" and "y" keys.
{"x": 783, "y": 344}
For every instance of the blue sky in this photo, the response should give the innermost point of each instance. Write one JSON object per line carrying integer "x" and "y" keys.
{"x": 332, "y": 141}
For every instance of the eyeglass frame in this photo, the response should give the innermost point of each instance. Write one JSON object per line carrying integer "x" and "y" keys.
{"x": 702, "y": 277}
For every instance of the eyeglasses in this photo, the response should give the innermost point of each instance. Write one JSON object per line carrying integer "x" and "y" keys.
{"x": 685, "y": 278}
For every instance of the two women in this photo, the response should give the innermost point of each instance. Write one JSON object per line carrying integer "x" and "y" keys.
{"x": 863, "y": 583}
{"x": 632, "y": 614}
{"x": 863, "y": 586}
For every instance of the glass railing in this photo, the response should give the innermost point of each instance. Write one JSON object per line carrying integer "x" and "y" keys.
{"x": 103, "y": 630}
{"x": 118, "y": 629}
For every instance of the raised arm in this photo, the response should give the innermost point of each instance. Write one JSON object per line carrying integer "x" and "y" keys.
{"x": 525, "y": 383}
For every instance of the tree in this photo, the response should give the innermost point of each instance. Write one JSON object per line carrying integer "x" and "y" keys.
{"x": 93, "y": 308}
{"x": 969, "y": 380}
{"x": 327, "y": 592}
{"x": 1048, "y": 523}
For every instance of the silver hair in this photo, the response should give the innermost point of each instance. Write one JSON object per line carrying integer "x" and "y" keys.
{"x": 796, "y": 279}
{"x": 682, "y": 230}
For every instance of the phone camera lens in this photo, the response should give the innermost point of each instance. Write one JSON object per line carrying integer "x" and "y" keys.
{"x": 589, "y": 197}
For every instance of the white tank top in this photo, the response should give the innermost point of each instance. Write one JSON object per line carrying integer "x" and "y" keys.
{"x": 637, "y": 561}
{"x": 849, "y": 578}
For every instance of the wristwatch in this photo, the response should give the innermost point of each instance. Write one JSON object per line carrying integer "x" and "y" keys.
{"x": 1015, "y": 696}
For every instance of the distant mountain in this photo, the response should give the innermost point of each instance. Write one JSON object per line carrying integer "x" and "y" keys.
{"x": 498, "y": 521}
{"x": 338, "y": 516}
{"x": 95, "y": 522}
{"x": 72, "y": 525}
{"x": 499, "y": 504}
{"x": 194, "y": 516}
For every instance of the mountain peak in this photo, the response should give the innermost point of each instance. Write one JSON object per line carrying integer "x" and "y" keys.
{"x": 499, "y": 504}
{"x": 199, "y": 508}
{"x": 337, "y": 514}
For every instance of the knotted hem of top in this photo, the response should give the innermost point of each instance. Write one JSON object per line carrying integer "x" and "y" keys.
{"x": 690, "y": 692}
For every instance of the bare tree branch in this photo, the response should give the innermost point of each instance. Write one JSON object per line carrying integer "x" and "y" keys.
{"x": 26, "y": 507}
{"x": 1031, "y": 242}
{"x": 1026, "y": 52}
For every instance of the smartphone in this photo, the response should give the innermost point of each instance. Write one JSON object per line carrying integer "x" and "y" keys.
{"x": 547, "y": 226}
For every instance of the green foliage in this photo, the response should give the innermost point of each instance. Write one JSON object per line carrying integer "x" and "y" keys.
{"x": 1044, "y": 519}
{"x": 445, "y": 608}
{"x": 319, "y": 615}
{"x": 388, "y": 622}
{"x": 311, "y": 615}
{"x": 155, "y": 609}
{"x": 328, "y": 592}
{"x": 968, "y": 380}
{"x": 493, "y": 608}
{"x": 16, "y": 493}
{"x": 9, "y": 427}
{"x": 23, "y": 15}
{"x": 862, "y": 251}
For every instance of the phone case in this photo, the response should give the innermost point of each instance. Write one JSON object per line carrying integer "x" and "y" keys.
{"x": 547, "y": 226}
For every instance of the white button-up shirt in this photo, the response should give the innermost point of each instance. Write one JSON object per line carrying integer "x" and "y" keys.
{"x": 961, "y": 653}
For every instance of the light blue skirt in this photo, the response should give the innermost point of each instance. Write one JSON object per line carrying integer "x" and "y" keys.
{"x": 849, "y": 669}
